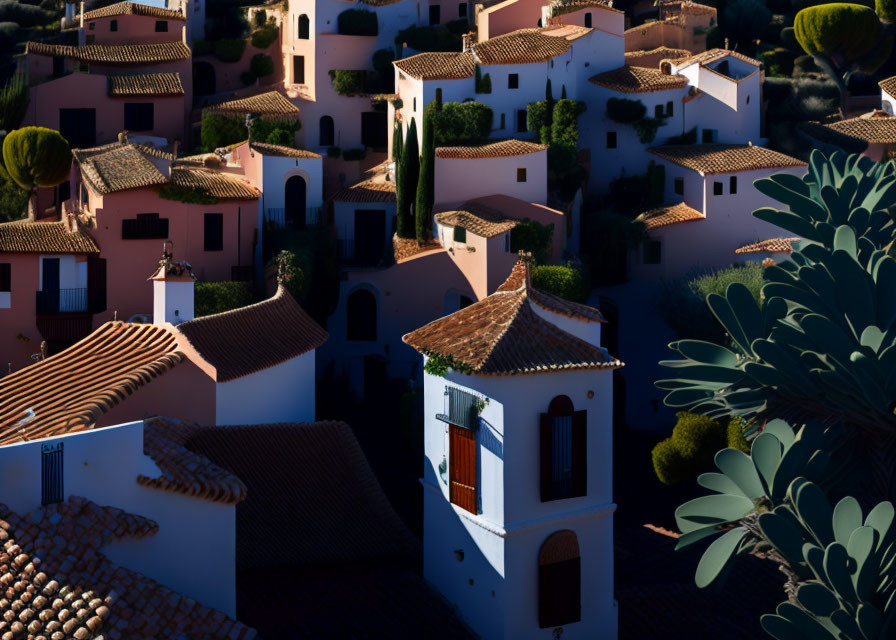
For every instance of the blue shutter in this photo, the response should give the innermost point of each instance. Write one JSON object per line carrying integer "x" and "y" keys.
{"x": 561, "y": 457}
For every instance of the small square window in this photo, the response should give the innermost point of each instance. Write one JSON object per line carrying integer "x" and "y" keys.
{"x": 521, "y": 175}
{"x": 611, "y": 139}
{"x": 113, "y": 25}
{"x": 732, "y": 185}
{"x": 161, "y": 26}
{"x": 670, "y": 109}
{"x": 91, "y": 26}
{"x": 658, "y": 111}
{"x": 718, "y": 188}
{"x": 709, "y": 136}
{"x": 460, "y": 235}
{"x": 679, "y": 186}
{"x": 653, "y": 252}
{"x": 513, "y": 81}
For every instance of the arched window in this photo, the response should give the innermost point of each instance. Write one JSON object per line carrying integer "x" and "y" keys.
{"x": 295, "y": 200}
{"x": 360, "y": 311}
{"x": 559, "y": 580}
{"x": 564, "y": 471}
{"x": 327, "y": 133}
{"x": 588, "y": 20}
{"x": 304, "y": 27}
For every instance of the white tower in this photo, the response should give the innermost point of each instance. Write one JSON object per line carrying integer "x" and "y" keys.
{"x": 518, "y": 512}
{"x": 172, "y": 291}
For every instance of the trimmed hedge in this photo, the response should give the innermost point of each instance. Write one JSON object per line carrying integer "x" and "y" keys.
{"x": 265, "y": 37}
{"x": 348, "y": 82}
{"x": 36, "y": 157}
{"x": 217, "y": 297}
{"x": 357, "y": 22}
{"x": 448, "y": 37}
{"x": 271, "y": 130}
{"x": 564, "y": 281}
{"x": 534, "y": 237}
{"x": 219, "y": 131}
{"x": 462, "y": 123}
{"x": 24, "y": 15}
{"x": 847, "y": 30}
{"x": 261, "y": 65}
{"x": 230, "y": 49}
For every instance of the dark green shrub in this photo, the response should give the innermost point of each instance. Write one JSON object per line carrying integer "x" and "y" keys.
{"x": 803, "y": 65}
{"x": 14, "y": 100}
{"x": 261, "y": 65}
{"x": 778, "y": 62}
{"x": 264, "y": 130}
{"x": 533, "y": 237}
{"x": 357, "y": 22}
{"x": 348, "y": 82}
{"x": 426, "y": 182}
{"x": 315, "y": 254}
{"x": 334, "y": 152}
{"x": 24, "y": 15}
{"x": 646, "y": 129}
{"x": 462, "y": 123}
{"x": 202, "y": 48}
{"x": 282, "y": 138}
{"x": 564, "y": 281}
{"x": 9, "y": 35}
{"x": 539, "y": 116}
{"x": 433, "y": 38}
{"x": 382, "y": 80}
{"x": 483, "y": 82}
{"x": 265, "y": 37}
{"x": 351, "y": 155}
{"x": 688, "y": 137}
{"x": 13, "y": 199}
{"x": 247, "y": 78}
{"x": 260, "y": 18}
{"x": 625, "y": 111}
{"x": 230, "y": 49}
{"x": 289, "y": 269}
{"x": 218, "y": 297}
{"x": 668, "y": 463}
{"x": 219, "y": 131}
{"x": 406, "y": 177}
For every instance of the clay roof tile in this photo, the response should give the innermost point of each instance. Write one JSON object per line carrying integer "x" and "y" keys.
{"x": 664, "y": 216}
{"x": 23, "y": 236}
{"x": 711, "y": 159}
{"x": 630, "y": 79}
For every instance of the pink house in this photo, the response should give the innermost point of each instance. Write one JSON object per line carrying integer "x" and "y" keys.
{"x": 132, "y": 23}
{"x": 132, "y": 198}
{"x": 90, "y": 93}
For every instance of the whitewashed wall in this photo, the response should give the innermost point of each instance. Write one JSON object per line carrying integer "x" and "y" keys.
{"x": 461, "y": 179}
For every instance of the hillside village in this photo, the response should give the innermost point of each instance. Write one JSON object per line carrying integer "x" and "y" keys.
{"x": 353, "y": 319}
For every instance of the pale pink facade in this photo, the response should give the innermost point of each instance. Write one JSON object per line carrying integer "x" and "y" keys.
{"x": 683, "y": 28}
{"x": 132, "y": 29}
{"x": 461, "y": 179}
{"x": 508, "y": 16}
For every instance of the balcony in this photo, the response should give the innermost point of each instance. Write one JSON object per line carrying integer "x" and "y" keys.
{"x": 62, "y": 301}
{"x": 277, "y": 216}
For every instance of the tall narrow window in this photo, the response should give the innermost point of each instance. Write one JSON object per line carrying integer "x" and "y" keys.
{"x": 588, "y": 20}
{"x": 658, "y": 111}
{"x": 521, "y": 174}
{"x": 709, "y": 136}
{"x": 113, "y": 25}
{"x": 435, "y": 16}
{"x": 462, "y": 458}
{"x": 52, "y": 489}
{"x": 611, "y": 140}
{"x": 327, "y": 131}
{"x": 732, "y": 185}
{"x": 460, "y": 235}
{"x": 5, "y": 277}
{"x": 718, "y": 188}
{"x": 304, "y": 27}
{"x": 564, "y": 472}
{"x": 503, "y": 120}
{"x": 559, "y": 580}
{"x": 670, "y": 109}
{"x": 214, "y": 232}
{"x": 679, "y": 186}
{"x": 521, "y": 121}
{"x": 462, "y": 10}
{"x": 298, "y": 69}
{"x": 513, "y": 81}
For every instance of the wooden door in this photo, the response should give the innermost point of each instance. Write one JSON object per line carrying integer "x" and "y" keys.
{"x": 463, "y": 468}
{"x": 370, "y": 236}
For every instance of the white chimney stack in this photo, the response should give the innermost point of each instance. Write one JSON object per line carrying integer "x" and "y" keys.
{"x": 172, "y": 289}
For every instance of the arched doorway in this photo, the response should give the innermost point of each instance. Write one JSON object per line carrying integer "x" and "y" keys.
{"x": 203, "y": 79}
{"x": 559, "y": 580}
{"x": 360, "y": 311}
{"x": 304, "y": 27}
{"x": 296, "y": 190}
{"x": 327, "y": 131}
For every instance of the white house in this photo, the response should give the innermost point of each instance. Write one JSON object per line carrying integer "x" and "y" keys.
{"x": 518, "y": 511}
{"x": 712, "y": 186}
{"x": 364, "y": 221}
{"x": 888, "y": 95}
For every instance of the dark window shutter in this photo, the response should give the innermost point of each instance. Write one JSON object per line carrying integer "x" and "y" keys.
{"x": 559, "y": 593}
{"x": 545, "y": 437}
{"x": 5, "y": 276}
{"x": 579, "y": 454}
{"x": 214, "y": 232}
{"x": 96, "y": 284}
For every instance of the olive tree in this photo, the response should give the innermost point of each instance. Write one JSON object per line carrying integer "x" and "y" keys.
{"x": 36, "y": 157}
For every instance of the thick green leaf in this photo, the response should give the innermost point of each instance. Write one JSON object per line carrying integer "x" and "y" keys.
{"x": 847, "y": 518}
{"x": 870, "y": 621}
{"x": 719, "y": 482}
{"x": 710, "y": 510}
{"x": 717, "y": 558}
{"x": 817, "y": 598}
{"x": 861, "y": 547}
{"x": 785, "y": 537}
{"x": 815, "y": 511}
{"x": 706, "y": 352}
{"x": 781, "y": 628}
{"x": 836, "y": 567}
{"x": 739, "y": 467}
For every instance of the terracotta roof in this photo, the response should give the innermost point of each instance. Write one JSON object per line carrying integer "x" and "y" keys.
{"x": 707, "y": 57}
{"x": 311, "y": 494}
{"x": 503, "y": 149}
{"x": 821, "y": 133}
{"x": 629, "y": 79}
{"x": 888, "y": 85}
{"x": 183, "y": 470}
{"x": 69, "y": 391}
{"x": 266, "y": 149}
{"x": 503, "y": 335}
{"x": 405, "y": 248}
{"x": 710, "y": 159}
{"x": 146, "y": 84}
{"x": 664, "y": 216}
{"x": 569, "y": 31}
{"x": 549, "y": 301}
{"x": 438, "y": 66}
{"x": 23, "y": 236}
{"x": 772, "y": 245}
{"x": 652, "y": 58}
{"x": 372, "y": 190}
{"x": 220, "y": 185}
{"x": 694, "y": 9}
{"x": 477, "y": 219}
{"x": 568, "y": 6}
{"x": 250, "y": 339}
{"x": 121, "y": 55}
{"x": 133, "y": 9}
{"x": 62, "y": 586}
{"x": 272, "y": 104}
{"x": 118, "y": 166}
{"x": 873, "y": 129}
{"x": 523, "y": 46}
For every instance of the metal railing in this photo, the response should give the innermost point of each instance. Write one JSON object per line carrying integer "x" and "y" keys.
{"x": 277, "y": 216}
{"x": 62, "y": 301}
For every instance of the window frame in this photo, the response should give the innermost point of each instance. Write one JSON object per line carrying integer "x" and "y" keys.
{"x": 521, "y": 174}
{"x": 562, "y": 408}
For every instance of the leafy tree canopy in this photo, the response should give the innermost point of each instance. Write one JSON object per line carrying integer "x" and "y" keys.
{"x": 37, "y": 157}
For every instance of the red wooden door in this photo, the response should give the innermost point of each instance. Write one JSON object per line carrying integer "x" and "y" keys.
{"x": 463, "y": 468}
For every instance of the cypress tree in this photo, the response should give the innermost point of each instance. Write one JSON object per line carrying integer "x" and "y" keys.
{"x": 397, "y": 144}
{"x": 406, "y": 182}
{"x": 426, "y": 183}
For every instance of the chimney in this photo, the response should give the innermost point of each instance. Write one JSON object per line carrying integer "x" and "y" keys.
{"x": 172, "y": 289}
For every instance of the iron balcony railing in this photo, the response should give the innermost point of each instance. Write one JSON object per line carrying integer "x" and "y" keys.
{"x": 62, "y": 301}
{"x": 277, "y": 216}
